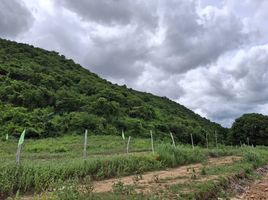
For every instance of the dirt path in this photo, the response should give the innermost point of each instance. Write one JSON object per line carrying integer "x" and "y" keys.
{"x": 148, "y": 182}
{"x": 256, "y": 191}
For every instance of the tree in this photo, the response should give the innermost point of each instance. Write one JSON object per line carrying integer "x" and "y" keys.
{"x": 249, "y": 126}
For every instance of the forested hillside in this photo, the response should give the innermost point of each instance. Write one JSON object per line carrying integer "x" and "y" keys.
{"x": 51, "y": 96}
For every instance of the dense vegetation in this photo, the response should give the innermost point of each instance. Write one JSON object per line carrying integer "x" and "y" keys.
{"x": 250, "y": 129}
{"x": 50, "y": 96}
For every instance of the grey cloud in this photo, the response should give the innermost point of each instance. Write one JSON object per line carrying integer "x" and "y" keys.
{"x": 161, "y": 84}
{"x": 14, "y": 18}
{"x": 113, "y": 12}
{"x": 229, "y": 89}
{"x": 254, "y": 64}
{"x": 192, "y": 40}
{"x": 225, "y": 114}
{"x": 118, "y": 57}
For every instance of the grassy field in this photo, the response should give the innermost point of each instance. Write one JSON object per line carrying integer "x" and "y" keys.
{"x": 72, "y": 146}
{"x": 49, "y": 164}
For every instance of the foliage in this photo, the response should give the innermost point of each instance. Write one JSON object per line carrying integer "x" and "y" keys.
{"x": 250, "y": 128}
{"x": 51, "y": 96}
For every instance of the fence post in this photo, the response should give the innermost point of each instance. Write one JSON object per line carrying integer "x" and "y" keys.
{"x": 173, "y": 141}
{"x": 85, "y": 145}
{"x": 152, "y": 141}
{"x": 207, "y": 139}
{"x": 128, "y": 143}
{"x": 18, "y": 154}
{"x": 192, "y": 140}
{"x": 216, "y": 139}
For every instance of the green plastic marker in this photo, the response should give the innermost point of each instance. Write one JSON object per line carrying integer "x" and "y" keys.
{"x": 21, "y": 141}
{"x": 123, "y": 135}
{"x": 22, "y": 136}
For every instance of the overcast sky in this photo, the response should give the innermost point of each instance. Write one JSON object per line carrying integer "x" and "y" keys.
{"x": 209, "y": 55}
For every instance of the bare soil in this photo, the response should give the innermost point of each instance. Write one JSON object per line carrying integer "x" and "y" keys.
{"x": 157, "y": 180}
{"x": 258, "y": 190}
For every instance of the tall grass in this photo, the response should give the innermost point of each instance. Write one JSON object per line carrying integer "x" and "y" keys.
{"x": 171, "y": 157}
{"x": 40, "y": 177}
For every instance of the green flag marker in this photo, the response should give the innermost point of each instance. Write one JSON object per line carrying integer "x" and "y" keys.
{"x": 21, "y": 140}
{"x": 6, "y": 137}
{"x": 123, "y": 135}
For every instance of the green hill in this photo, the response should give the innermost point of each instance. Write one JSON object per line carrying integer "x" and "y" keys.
{"x": 50, "y": 96}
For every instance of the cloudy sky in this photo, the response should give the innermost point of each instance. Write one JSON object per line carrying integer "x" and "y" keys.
{"x": 209, "y": 55}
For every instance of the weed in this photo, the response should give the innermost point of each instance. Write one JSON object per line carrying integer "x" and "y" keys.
{"x": 136, "y": 178}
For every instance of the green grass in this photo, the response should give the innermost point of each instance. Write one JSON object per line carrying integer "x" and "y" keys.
{"x": 49, "y": 163}
{"x": 72, "y": 145}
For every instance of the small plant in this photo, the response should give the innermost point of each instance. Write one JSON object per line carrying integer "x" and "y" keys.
{"x": 136, "y": 178}
{"x": 88, "y": 185}
{"x": 120, "y": 188}
{"x": 68, "y": 190}
{"x": 17, "y": 197}
{"x": 193, "y": 176}
{"x": 203, "y": 171}
{"x": 156, "y": 179}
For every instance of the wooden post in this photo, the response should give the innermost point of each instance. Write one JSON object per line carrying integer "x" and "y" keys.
{"x": 207, "y": 140}
{"x": 248, "y": 140}
{"x": 192, "y": 140}
{"x": 173, "y": 141}
{"x": 128, "y": 143}
{"x": 216, "y": 139}
{"x": 152, "y": 141}
{"x": 124, "y": 141}
{"x": 85, "y": 145}
{"x": 18, "y": 154}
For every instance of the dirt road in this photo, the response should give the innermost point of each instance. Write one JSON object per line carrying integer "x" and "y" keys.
{"x": 151, "y": 181}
